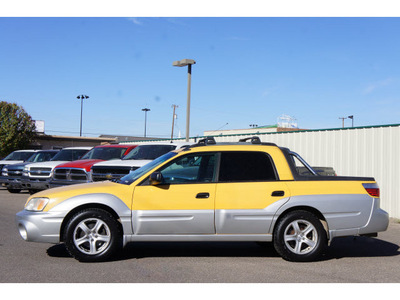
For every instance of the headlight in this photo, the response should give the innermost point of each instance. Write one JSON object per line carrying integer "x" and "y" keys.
{"x": 4, "y": 172}
{"x": 25, "y": 171}
{"x": 37, "y": 204}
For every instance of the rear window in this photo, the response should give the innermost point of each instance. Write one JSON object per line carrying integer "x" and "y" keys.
{"x": 246, "y": 166}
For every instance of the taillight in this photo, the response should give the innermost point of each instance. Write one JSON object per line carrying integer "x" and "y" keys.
{"x": 372, "y": 189}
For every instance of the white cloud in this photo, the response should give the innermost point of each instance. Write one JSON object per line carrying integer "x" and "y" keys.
{"x": 375, "y": 85}
{"x": 135, "y": 21}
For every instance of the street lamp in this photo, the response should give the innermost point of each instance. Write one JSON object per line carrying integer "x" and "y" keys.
{"x": 145, "y": 119}
{"x": 189, "y": 63}
{"x": 81, "y": 97}
{"x": 352, "y": 120}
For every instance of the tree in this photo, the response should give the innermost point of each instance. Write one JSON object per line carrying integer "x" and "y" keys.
{"x": 17, "y": 130}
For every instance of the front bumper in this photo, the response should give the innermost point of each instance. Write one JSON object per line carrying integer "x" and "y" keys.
{"x": 41, "y": 227}
{"x": 35, "y": 183}
{"x": 11, "y": 183}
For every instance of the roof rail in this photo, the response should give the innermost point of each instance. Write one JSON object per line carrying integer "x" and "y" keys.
{"x": 209, "y": 140}
{"x": 254, "y": 140}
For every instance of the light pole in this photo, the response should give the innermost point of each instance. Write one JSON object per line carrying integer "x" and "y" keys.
{"x": 81, "y": 97}
{"x": 352, "y": 120}
{"x": 189, "y": 63}
{"x": 145, "y": 119}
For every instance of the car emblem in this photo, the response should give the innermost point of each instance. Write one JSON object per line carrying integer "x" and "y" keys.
{"x": 109, "y": 176}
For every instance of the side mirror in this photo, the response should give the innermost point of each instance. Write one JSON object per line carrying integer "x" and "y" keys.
{"x": 156, "y": 178}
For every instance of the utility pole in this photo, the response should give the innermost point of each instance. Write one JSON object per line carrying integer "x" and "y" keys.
{"x": 343, "y": 121}
{"x": 173, "y": 120}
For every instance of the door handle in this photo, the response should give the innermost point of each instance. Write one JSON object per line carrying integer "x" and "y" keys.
{"x": 278, "y": 193}
{"x": 202, "y": 195}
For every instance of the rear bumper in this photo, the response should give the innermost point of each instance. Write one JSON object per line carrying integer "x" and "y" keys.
{"x": 377, "y": 222}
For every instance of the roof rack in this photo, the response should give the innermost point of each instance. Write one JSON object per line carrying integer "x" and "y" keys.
{"x": 207, "y": 141}
{"x": 253, "y": 139}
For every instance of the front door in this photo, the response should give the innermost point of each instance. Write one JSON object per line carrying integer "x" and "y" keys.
{"x": 183, "y": 203}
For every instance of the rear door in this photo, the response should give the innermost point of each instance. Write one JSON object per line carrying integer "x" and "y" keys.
{"x": 248, "y": 193}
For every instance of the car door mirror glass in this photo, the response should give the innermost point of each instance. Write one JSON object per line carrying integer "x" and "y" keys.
{"x": 156, "y": 178}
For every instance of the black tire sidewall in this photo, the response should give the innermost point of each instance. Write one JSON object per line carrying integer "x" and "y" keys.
{"x": 115, "y": 241}
{"x": 279, "y": 231}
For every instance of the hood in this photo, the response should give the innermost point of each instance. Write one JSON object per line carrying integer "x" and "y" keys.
{"x": 123, "y": 163}
{"x": 46, "y": 164}
{"x": 19, "y": 166}
{"x": 10, "y": 162}
{"x": 80, "y": 164}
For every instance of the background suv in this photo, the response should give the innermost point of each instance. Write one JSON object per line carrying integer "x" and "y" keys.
{"x": 12, "y": 174}
{"x": 36, "y": 176}
{"x": 137, "y": 158}
{"x": 79, "y": 171}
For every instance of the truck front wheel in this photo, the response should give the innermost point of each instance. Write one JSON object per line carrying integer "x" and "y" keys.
{"x": 92, "y": 235}
{"x": 300, "y": 236}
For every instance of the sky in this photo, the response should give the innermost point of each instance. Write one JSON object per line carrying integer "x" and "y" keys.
{"x": 249, "y": 70}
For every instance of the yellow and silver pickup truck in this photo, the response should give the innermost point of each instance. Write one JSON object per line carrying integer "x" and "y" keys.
{"x": 246, "y": 191}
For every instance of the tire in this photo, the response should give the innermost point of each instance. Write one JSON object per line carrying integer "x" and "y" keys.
{"x": 92, "y": 235}
{"x": 14, "y": 191}
{"x": 300, "y": 236}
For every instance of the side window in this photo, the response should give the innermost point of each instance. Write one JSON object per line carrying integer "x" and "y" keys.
{"x": 246, "y": 166}
{"x": 192, "y": 168}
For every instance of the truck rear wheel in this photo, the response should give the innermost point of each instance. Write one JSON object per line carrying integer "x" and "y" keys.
{"x": 300, "y": 236}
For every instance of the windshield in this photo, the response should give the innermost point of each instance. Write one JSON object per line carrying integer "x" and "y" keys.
{"x": 105, "y": 153}
{"x": 42, "y": 156}
{"x": 69, "y": 154}
{"x": 19, "y": 156}
{"x": 133, "y": 176}
{"x": 149, "y": 151}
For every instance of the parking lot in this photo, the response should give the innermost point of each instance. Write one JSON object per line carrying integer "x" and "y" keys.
{"x": 347, "y": 260}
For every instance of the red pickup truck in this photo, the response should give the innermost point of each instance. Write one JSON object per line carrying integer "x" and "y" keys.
{"x": 78, "y": 171}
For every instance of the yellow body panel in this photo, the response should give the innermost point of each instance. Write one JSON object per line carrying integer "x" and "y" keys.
{"x": 174, "y": 197}
{"x": 299, "y": 188}
{"x": 248, "y": 195}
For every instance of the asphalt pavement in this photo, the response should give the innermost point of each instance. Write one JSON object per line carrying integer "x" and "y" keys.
{"x": 348, "y": 260}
